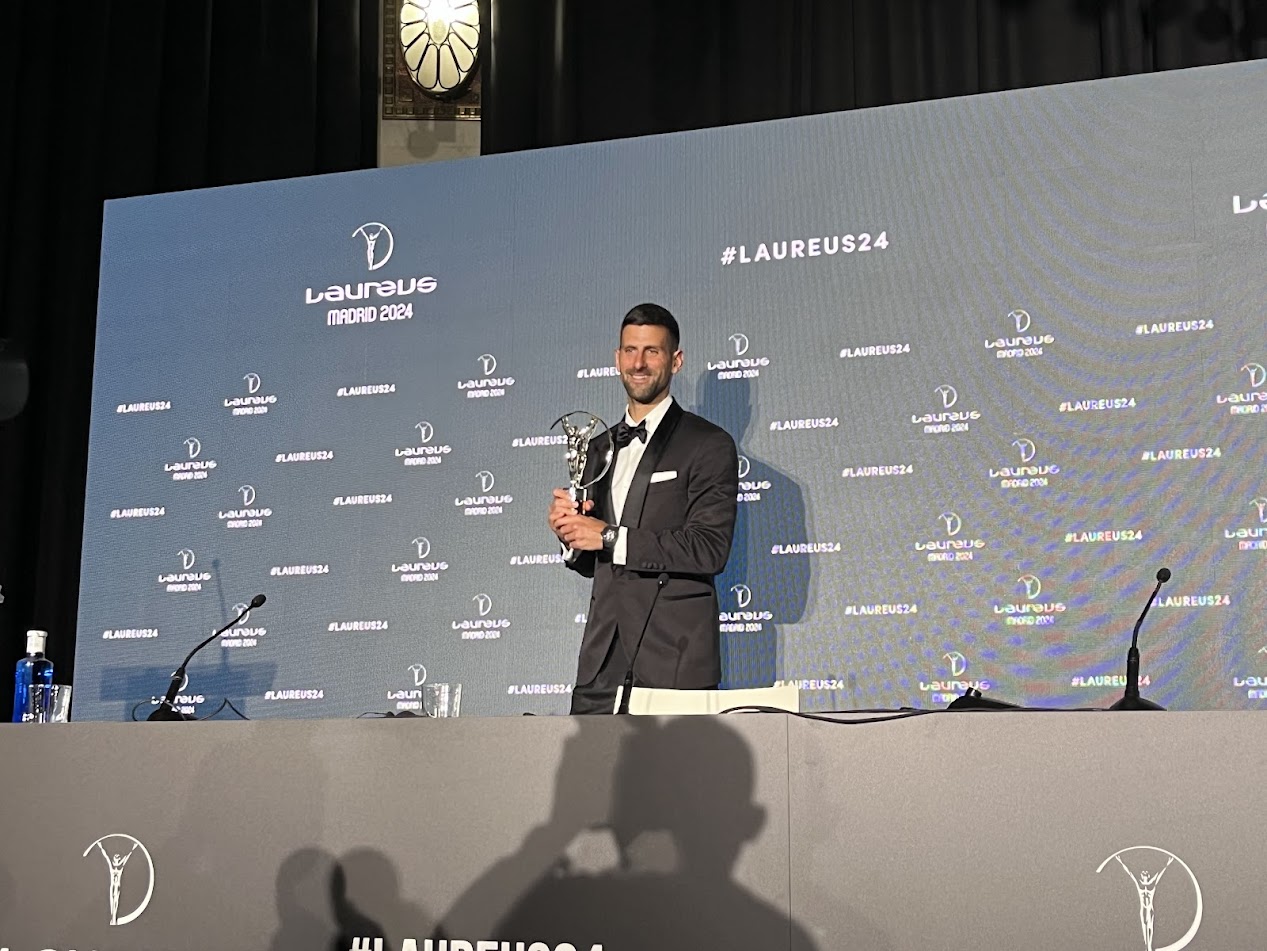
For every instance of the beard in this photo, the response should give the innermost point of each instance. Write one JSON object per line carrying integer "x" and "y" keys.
{"x": 648, "y": 391}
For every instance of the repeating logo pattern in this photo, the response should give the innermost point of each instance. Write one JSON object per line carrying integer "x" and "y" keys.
{"x": 933, "y": 458}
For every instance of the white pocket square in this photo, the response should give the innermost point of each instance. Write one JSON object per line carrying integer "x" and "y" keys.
{"x": 664, "y": 476}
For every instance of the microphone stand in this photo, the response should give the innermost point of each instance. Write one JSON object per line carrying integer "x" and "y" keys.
{"x": 166, "y": 710}
{"x": 627, "y": 686}
{"x": 1131, "y": 700}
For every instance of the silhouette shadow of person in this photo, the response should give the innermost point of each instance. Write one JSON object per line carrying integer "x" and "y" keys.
{"x": 366, "y": 901}
{"x": 303, "y": 901}
{"x": 758, "y": 592}
{"x": 655, "y": 869}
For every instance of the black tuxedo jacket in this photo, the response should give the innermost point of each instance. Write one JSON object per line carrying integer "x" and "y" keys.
{"x": 680, "y": 525}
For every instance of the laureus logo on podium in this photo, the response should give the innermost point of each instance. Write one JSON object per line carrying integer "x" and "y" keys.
{"x": 119, "y": 852}
{"x": 1145, "y": 866}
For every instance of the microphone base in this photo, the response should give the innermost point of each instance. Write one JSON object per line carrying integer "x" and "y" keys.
{"x": 1135, "y": 703}
{"x": 167, "y": 713}
{"x": 974, "y": 700}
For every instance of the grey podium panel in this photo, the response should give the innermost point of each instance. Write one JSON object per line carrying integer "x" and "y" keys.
{"x": 971, "y": 831}
{"x": 948, "y": 831}
{"x": 629, "y": 833}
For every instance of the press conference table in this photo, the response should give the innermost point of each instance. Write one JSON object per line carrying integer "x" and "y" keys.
{"x": 948, "y": 831}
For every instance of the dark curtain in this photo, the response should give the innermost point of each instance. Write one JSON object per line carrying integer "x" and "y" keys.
{"x": 129, "y": 97}
{"x": 565, "y": 71}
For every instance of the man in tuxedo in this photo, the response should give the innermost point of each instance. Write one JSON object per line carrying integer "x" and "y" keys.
{"x": 656, "y": 532}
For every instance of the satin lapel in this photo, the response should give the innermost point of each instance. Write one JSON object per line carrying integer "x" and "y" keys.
{"x": 601, "y": 491}
{"x": 631, "y": 516}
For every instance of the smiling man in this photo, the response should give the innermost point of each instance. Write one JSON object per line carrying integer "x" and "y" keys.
{"x": 656, "y": 533}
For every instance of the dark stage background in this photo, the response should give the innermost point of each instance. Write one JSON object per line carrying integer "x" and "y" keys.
{"x": 118, "y": 99}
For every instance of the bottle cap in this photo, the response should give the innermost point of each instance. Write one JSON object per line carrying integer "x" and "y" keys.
{"x": 35, "y": 641}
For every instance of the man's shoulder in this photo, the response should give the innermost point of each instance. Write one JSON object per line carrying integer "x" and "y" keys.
{"x": 701, "y": 428}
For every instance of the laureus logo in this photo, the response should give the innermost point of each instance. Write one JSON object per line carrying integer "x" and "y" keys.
{"x": 253, "y": 382}
{"x": 1146, "y": 881}
{"x": 486, "y": 480}
{"x": 1257, "y": 374}
{"x": 744, "y": 467}
{"x": 422, "y": 547}
{"x": 1033, "y": 587}
{"x": 949, "y": 395}
{"x": 118, "y": 854}
{"x": 1021, "y": 319}
{"x": 1260, "y": 503}
{"x": 377, "y": 251}
{"x": 248, "y": 494}
{"x": 483, "y": 604}
{"x": 424, "y": 453}
{"x": 956, "y": 663}
{"x": 488, "y": 386}
{"x": 953, "y": 523}
{"x": 244, "y": 610}
{"x": 1027, "y": 448}
{"x": 738, "y": 365}
{"x": 743, "y": 595}
{"x": 420, "y": 674}
{"x": 187, "y": 558}
{"x": 194, "y": 447}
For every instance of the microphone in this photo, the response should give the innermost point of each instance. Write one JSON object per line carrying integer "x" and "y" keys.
{"x": 623, "y": 706}
{"x": 1131, "y": 700}
{"x": 167, "y": 710}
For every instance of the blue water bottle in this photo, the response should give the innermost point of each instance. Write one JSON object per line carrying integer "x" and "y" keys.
{"x": 34, "y": 670}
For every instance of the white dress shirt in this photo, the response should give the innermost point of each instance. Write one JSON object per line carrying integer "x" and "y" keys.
{"x": 623, "y": 470}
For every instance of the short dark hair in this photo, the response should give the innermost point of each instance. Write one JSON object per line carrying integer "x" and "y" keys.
{"x": 653, "y": 315}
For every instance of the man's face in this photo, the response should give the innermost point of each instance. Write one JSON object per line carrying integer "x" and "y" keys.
{"x": 646, "y": 362}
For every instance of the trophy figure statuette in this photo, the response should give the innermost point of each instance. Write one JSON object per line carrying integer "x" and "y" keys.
{"x": 581, "y": 428}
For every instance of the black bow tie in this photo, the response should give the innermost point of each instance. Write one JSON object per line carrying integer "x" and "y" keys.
{"x": 624, "y": 434}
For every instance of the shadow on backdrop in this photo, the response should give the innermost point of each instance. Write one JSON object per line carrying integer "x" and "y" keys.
{"x": 765, "y": 592}
{"x": 639, "y": 851}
